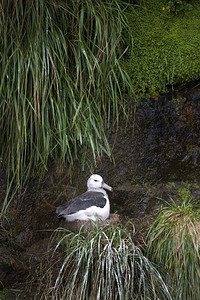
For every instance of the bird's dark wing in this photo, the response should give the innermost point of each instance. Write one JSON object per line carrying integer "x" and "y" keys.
{"x": 81, "y": 202}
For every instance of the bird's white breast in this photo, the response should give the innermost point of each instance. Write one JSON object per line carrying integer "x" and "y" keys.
{"x": 91, "y": 213}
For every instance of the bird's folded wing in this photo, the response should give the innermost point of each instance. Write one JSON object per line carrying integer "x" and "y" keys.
{"x": 82, "y": 202}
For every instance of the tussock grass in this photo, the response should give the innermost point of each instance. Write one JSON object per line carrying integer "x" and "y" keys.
{"x": 61, "y": 81}
{"x": 174, "y": 243}
{"x": 102, "y": 264}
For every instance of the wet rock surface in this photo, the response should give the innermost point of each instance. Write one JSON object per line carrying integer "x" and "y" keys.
{"x": 164, "y": 147}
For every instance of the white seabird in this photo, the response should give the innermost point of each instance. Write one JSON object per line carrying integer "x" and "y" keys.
{"x": 90, "y": 205}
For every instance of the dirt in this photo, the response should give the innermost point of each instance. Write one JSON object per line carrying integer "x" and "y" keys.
{"x": 163, "y": 148}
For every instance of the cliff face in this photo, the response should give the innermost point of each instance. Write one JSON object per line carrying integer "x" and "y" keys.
{"x": 160, "y": 154}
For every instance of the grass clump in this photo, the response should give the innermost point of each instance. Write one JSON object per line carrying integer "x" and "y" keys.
{"x": 173, "y": 242}
{"x": 103, "y": 264}
{"x": 61, "y": 81}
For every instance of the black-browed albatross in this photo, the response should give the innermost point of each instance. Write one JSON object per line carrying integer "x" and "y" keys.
{"x": 90, "y": 205}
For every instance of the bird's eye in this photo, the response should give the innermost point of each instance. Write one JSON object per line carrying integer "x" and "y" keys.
{"x": 95, "y": 180}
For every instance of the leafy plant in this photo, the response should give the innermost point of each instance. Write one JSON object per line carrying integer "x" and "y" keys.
{"x": 173, "y": 243}
{"x": 103, "y": 264}
{"x": 61, "y": 83}
{"x": 165, "y": 48}
{"x": 178, "y": 6}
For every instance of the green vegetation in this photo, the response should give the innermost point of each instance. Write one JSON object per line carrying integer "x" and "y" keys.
{"x": 5, "y": 293}
{"x": 102, "y": 264}
{"x": 166, "y": 47}
{"x": 178, "y": 6}
{"x": 61, "y": 92}
{"x": 173, "y": 243}
{"x": 62, "y": 86}
{"x": 61, "y": 81}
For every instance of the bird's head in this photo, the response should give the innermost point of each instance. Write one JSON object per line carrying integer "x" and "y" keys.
{"x": 96, "y": 182}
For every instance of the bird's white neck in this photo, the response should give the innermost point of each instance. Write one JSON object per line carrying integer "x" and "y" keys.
{"x": 98, "y": 190}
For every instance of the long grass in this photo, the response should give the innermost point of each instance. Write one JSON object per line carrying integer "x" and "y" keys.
{"x": 61, "y": 81}
{"x": 174, "y": 243}
{"x": 102, "y": 264}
